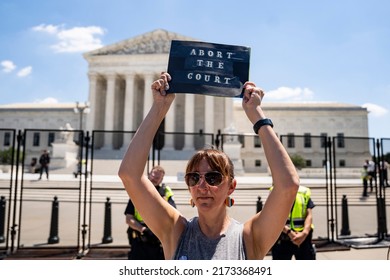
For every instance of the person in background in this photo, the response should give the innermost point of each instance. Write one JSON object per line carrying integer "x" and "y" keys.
{"x": 33, "y": 165}
{"x": 44, "y": 161}
{"x": 144, "y": 245}
{"x": 213, "y": 234}
{"x": 296, "y": 237}
{"x": 365, "y": 178}
{"x": 371, "y": 173}
{"x": 383, "y": 167}
{"x": 80, "y": 167}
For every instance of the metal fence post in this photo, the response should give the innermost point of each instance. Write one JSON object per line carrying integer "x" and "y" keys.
{"x": 259, "y": 205}
{"x": 107, "y": 238}
{"x": 345, "y": 218}
{"x": 2, "y": 219}
{"x": 53, "y": 238}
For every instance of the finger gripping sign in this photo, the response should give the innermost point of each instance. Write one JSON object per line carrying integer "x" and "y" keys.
{"x": 208, "y": 68}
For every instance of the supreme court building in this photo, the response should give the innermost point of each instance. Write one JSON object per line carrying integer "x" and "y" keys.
{"x": 120, "y": 76}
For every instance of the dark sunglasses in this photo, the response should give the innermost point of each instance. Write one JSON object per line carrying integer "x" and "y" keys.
{"x": 212, "y": 178}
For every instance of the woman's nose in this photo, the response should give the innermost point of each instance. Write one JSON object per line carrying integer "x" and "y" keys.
{"x": 202, "y": 183}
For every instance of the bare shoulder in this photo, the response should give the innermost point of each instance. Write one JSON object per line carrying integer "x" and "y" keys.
{"x": 171, "y": 241}
{"x": 252, "y": 246}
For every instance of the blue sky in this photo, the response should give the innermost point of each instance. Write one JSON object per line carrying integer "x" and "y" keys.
{"x": 309, "y": 51}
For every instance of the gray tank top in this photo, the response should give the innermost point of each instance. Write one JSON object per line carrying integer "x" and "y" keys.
{"x": 194, "y": 245}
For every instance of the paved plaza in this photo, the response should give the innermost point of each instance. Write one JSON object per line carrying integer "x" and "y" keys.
{"x": 38, "y": 196}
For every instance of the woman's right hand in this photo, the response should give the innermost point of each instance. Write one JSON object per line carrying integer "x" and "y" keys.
{"x": 159, "y": 88}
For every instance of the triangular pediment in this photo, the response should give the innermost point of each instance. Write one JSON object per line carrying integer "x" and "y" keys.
{"x": 154, "y": 42}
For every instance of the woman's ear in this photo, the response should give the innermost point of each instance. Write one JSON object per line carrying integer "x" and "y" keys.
{"x": 232, "y": 186}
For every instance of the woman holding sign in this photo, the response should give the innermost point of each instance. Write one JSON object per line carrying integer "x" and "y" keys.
{"x": 210, "y": 179}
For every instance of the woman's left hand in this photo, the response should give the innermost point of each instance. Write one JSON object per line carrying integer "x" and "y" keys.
{"x": 251, "y": 101}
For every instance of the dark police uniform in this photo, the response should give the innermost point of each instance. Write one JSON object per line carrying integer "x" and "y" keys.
{"x": 146, "y": 246}
{"x": 284, "y": 248}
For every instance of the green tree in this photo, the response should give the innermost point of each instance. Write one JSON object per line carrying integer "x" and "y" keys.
{"x": 298, "y": 161}
{"x": 6, "y": 156}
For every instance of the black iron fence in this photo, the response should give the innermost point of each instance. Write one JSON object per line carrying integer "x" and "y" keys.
{"x": 80, "y": 207}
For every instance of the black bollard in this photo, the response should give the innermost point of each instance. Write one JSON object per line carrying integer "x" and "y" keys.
{"x": 259, "y": 205}
{"x": 107, "y": 238}
{"x": 53, "y": 238}
{"x": 2, "y": 219}
{"x": 381, "y": 210}
{"x": 345, "y": 219}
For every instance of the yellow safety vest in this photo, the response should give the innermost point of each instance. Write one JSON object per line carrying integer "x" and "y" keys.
{"x": 296, "y": 218}
{"x": 168, "y": 194}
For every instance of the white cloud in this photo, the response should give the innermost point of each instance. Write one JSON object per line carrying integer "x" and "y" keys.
{"x": 51, "y": 29}
{"x": 47, "y": 100}
{"x": 8, "y": 66}
{"x": 76, "y": 39}
{"x": 25, "y": 71}
{"x": 290, "y": 94}
{"x": 375, "y": 110}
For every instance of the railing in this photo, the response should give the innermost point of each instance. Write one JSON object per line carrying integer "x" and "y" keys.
{"x": 90, "y": 200}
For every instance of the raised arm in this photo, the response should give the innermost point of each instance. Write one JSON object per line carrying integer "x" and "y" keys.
{"x": 263, "y": 229}
{"x": 159, "y": 215}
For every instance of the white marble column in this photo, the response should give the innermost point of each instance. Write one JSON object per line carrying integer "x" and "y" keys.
{"x": 229, "y": 106}
{"x": 148, "y": 96}
{"x": 91, "y": 118}
{"x": 209, "y": 114}
{"x": 128, "y": 121}
{"x": 189, "y": 125}
{"x": 110, "y": 109}
{"x": 170, "y": 127}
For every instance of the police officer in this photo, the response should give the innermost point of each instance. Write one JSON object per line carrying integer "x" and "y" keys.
{"x": 144, "y": 244}
{"x": 44, "y": 161}
{"x": 296, "y": 237}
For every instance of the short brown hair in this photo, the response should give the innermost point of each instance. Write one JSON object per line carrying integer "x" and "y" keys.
{"x": 218, "y": 161}
{"x": 158, "y": 168}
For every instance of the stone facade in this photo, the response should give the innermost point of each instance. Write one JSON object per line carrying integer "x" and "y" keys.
{"x": 42, "y": 124}
{"x": 120, "y": 76}
{"x": 303, "y": 128}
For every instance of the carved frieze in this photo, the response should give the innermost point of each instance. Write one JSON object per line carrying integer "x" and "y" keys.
{"x": 155, "y": 42}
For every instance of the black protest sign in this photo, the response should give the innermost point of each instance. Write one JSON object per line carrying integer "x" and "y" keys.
{"x": 208, "y": 68}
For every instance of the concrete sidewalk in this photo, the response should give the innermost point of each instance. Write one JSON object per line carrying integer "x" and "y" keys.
{"x": 121, "y": 254}
{"x": 332, "y": 253}
{"x": 355, "y": 254}
{"x": 352, "y": 254}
